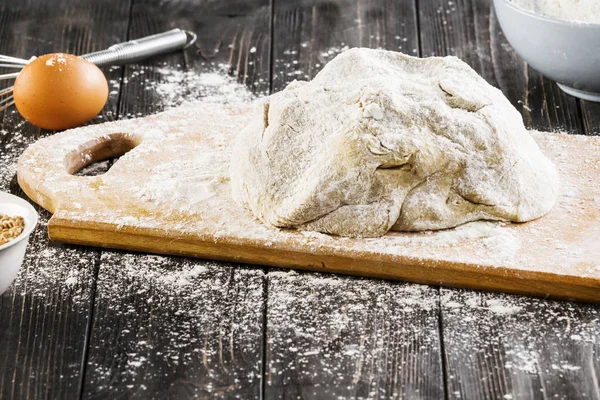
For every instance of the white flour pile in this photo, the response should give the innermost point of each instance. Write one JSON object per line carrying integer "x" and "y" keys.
{"x": 585, "y": 11}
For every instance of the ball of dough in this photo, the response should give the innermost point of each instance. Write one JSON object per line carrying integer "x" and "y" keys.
{"x": 379, "y": 140}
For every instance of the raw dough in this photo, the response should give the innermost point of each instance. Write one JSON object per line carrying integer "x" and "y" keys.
{"x": 379, "y": 140}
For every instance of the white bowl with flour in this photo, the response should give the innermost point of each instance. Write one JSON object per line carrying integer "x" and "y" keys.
{"x": 559, "y": 38}
{"x": 13, "y": 252}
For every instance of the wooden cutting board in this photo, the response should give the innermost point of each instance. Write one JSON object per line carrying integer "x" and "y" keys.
{"x": 170, "y": 194}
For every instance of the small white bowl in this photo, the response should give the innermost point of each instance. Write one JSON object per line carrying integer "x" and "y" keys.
{"x": 13, "y": 252}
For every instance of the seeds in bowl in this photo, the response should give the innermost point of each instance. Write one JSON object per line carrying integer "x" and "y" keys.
{"x": 10, "y": 228}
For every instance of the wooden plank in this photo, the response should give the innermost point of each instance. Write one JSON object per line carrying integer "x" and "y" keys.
{"x": 309, "y": 33}
{"x": 175, "y": 328}
{"x": 498, "y": 346}
{"x": 553, "y": 256}
{"x": 591, "y": 117}
{"x": 337, "y": 337}
{"x": 47, "y": 311}
{"x": 340, "y": 337}
{"x": 502, "y": 346}
{"x": 167, "y": 327}
{"x": 113, "y": 210}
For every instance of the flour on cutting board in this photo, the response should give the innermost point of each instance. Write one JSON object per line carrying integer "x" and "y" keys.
{"x": 190, "y": 193}
{"x": 182, "y": 182}
{"x": 501, "y": 244}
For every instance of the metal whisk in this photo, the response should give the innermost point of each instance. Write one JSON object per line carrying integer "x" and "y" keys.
{"x": 118, "y": 54}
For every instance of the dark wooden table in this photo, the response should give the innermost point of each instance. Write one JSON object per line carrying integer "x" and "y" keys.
{"x": 91, "y": 323}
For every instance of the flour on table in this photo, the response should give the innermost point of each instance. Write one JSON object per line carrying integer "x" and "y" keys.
{"x": 173, "y": 87}
{"x": 381, "y": 141}
{"x": 585, "y": 11}
{"x": 176, "y": 87}
{"x": 329, "y": 322}
{"x": 176, "y": 307}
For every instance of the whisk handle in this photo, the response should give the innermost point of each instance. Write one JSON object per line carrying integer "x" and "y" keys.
{"x": 139, "y": 49}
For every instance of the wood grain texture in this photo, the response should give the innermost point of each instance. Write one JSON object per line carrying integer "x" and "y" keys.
{"x": 175, "y": 328}
{"x": 529, "y": 352}
{"x": 336, "y": 337}
{"x": 46, "y": 313}
{"x": 155, "y": 340}
{"x": 502, "y": 346}
{"x": 591, "y": 117}
{"x": 309, "y": 33}
{"x": 550, "y": 256}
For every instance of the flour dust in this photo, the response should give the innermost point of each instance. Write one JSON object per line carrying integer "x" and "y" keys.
{"x": 581, "y": 11}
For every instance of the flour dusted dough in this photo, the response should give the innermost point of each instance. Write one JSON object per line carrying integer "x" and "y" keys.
{"x": 379, "y": 140}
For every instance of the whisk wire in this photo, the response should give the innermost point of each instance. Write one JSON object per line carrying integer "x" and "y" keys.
{"x": 17, "y": 66}
{"x": 13, "y": 60}
{"x": 8, "y": 90}
{"x": 8, "y": 76}
{"x": 4, "y": 104}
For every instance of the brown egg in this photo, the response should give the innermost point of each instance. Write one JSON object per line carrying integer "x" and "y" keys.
{"x": 59, "y": 91}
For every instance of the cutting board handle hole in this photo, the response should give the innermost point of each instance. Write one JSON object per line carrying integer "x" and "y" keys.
{"x": 97, "y": 156}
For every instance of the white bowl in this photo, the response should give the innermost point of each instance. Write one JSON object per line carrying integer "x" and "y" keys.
{"x": 13, "y": 252}
{"x": 565, "y": 51}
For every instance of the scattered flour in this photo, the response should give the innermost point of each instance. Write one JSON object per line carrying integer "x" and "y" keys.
{"x": 497, "y": 240}
{"x": 171, "y": 312}
{"x": 500, "y": 307}
{"x": 171, "y": 86}
{"x": 287, "y": 67}
{"x": 338, "y": 335}
{"x": 323, "y": 332}
{"x": 176, "y": 313}
{"x": 476, "y": 322}
{"x": 58, "y": 58}
{"x": 584, "y": 11}
{"x": 176, "y": 87}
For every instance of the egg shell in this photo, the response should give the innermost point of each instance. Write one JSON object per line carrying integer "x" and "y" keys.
{"x": 60, "y": 91}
